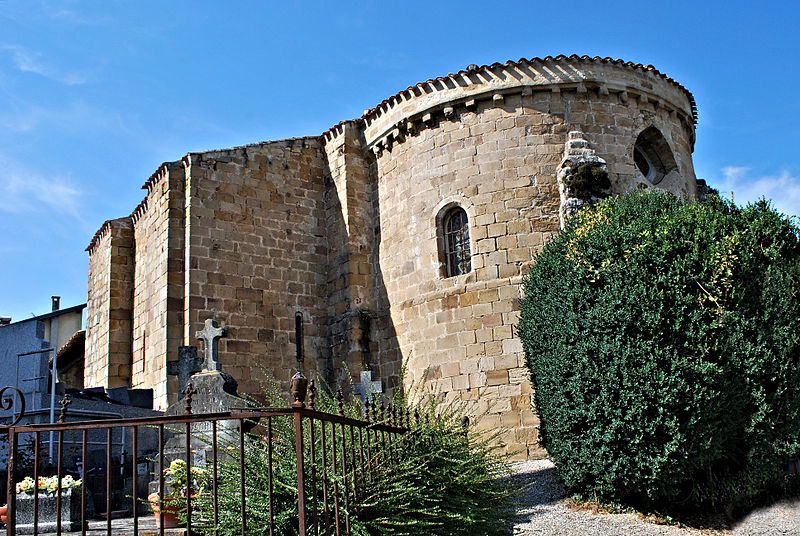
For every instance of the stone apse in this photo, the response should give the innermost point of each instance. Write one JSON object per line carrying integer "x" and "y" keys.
{"x": 396, "y": 239}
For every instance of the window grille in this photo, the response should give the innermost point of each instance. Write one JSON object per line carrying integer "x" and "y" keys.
{"x": 456, "y": 237}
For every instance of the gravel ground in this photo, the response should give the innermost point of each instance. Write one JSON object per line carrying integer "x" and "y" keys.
{"x": 542, "y": 511}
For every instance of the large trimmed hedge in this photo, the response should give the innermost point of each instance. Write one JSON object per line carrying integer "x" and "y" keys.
{"x": 663, "y": 340}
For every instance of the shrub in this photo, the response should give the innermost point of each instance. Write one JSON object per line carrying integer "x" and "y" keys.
{"x": 588, "y": 181}
{"x": 662, "y": 338}
{"x": 446, "y": 481}
{"x": 442, "y": 481}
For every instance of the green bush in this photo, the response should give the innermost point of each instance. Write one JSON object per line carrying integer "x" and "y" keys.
{"x": 441, "y": 480}
{"x": 446, "y": 481}
{"x": 588, "y": 181}
{"x": 662, "y": 338}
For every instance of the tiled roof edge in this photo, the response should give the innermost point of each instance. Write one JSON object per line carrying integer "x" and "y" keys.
{"x": 474, "y": 69}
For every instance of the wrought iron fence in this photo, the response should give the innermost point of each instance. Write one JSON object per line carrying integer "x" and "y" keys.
{"x": 320, "y": 462}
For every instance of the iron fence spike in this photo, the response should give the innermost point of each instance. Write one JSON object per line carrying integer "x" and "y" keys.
{"x": 340, "y": 402}
{"x": 312, "y": 393}
{"x": 64, "y": 403}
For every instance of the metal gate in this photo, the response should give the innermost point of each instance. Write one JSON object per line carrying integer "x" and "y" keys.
{"x": 329, "y": 458}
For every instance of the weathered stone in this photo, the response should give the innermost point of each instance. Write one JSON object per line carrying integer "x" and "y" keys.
{"x": 210, "y": 334}
{"x": 48, "y": 512}
{"x": 367, "y": 388}
{"x": 346, "y": 230}
{"x": 187, "y": 364}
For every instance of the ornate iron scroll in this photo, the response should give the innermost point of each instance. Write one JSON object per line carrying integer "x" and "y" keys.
{"x": 7, "y": 402}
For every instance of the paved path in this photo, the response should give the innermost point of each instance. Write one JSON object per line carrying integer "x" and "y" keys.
{"x": 123, "y": 527}
{"x": 542, "y": 511}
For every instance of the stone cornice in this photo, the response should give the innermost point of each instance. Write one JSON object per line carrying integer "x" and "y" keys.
{"x": 412, "y": 108}
{"x": 160, "y": 173}
{"x": 102, "y": 232}
{"x": 139, "y": 211}
{"x": 404, "y": 113}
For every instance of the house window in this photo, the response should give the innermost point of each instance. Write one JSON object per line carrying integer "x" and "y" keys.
{"x": 458, "y": 257}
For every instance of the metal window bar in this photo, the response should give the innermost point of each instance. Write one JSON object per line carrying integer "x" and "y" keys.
{"x": 215, "y": 473}
{"x": 134, "y": 479}
{"x": 241, "y": 476}
{"x": 456, "y": 231}
{"x": 314, "y": 518}
{"x": 84, "y": 447}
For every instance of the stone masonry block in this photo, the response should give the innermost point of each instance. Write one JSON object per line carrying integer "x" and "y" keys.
{"x": 497, "y": 377}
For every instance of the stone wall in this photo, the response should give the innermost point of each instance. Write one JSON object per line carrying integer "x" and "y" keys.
{"x": 158, "y": 225}
{"x": 256, "y": 256}
{"x": 349, "y": 222}
{"x": 109, "y": 305}
{"x": 496, "y": 154}
{"x": 345, "y": 230}
{"x": 496, "y": 160}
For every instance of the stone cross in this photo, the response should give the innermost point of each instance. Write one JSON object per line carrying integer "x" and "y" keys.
{"x": 187, "y": 365}
{"x": 367, "y": 387}
{"x": 211, "y": 334}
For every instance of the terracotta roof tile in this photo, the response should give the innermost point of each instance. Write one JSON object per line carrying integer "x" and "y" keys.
{"x": 574, "y": 57}
{"x": 98, "y": 235}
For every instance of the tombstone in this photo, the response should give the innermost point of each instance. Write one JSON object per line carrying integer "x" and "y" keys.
{"x": 210, "y": 334}
{"x": 214, "y": 391}
{"x": 367, "y": 388}
{"x": 187, "y": 364}
{"x": 208, "y": 390}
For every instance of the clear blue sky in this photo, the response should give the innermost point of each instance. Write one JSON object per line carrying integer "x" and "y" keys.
{"x": 95, "y": 95}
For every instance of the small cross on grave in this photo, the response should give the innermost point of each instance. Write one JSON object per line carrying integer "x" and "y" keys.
{"x": 211, "y": 334}
{"x": 367, "y": 387}
{"x": 186, "y": 366}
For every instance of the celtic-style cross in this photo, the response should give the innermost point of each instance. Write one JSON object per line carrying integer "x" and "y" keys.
{"x": 211, "y": 334}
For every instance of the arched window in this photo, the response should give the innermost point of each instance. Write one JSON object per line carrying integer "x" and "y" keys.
{"x": 652, "y": 156}
{"x": 458, "y": 258}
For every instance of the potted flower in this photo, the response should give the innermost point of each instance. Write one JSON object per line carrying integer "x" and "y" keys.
{"x": 48, "y": 492}
{"x": 179, "y": 484}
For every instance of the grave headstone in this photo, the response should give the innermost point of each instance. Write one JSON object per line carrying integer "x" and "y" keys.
{"x": 187, "y": 364}
{"x": 210, "y": 334}
{"x": 212, "y": 391}
{"x": 367, "y": 388}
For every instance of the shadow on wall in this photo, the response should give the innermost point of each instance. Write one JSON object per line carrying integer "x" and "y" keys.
{"x": 359, "y": 326}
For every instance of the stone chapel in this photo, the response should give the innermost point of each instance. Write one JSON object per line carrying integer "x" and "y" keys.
{"x": 398, "y": 238}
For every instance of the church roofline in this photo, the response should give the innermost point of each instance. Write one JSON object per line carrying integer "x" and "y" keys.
{"x": 371, "y": 115}
{"x": 103, "y": 231}
{"x": 187, "y": 156}
{"x": 472, "y": 70}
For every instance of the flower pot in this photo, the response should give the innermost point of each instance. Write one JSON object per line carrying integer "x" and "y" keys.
{"x": 171, "y": 508}
{"x": 47, "y": 519}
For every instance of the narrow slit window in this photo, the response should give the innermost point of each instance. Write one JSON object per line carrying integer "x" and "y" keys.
{"x": 456, "y": 238}
{"x": 298, "y": 337}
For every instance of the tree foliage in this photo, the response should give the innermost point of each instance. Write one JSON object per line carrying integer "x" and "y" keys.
{"x": 662, "y": 338}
